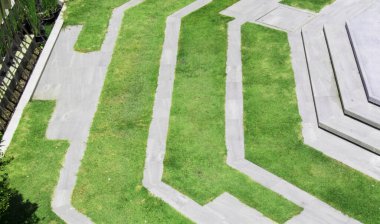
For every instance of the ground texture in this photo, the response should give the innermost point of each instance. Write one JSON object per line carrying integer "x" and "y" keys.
{"x": 196, "y": 154}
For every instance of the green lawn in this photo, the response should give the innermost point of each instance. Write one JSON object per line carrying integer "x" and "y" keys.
{"x": 313, "y": 5}
{"x": 94, "y": 15}
{"x": 34, "y": 170}
{"x": 109, "y": 187}
{"x": 195, "y": 160}
{"x": 273, "y": 130}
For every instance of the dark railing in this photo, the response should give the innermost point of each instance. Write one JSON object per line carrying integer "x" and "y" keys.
{"x": 22, "y": 38}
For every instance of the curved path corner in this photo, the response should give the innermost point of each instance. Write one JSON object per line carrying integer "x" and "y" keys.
{"x": 75, "y": 81}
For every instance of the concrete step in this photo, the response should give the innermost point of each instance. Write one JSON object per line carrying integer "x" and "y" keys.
{"x": 326, "y": 97}
{"x": 364, "y": 32}
{"x": 351, "y": 90}
{"x": 234, "y": 211}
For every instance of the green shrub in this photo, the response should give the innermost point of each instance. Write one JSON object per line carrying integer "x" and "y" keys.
{"x": 48, "y": 6}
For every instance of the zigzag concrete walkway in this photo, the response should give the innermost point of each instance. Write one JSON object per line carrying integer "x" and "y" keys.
{"x": 315, "y": 211}
{"x": 75, "y": 81}
{"x": 77, "y": 101}
{"x": 225, "y": 208}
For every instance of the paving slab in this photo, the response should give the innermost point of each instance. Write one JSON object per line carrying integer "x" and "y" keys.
{"x": 364, "y": 31}
{"x": 234, "y": 210}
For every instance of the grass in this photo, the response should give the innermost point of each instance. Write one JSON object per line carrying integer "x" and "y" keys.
{"x": 195, "y": 162}
{"x": 48, "y": 29}
{"x": 36, "y": 162}
{"x": 109, "y": 187}
{"x": 94, "y": 16}
{"x": 313, "y": 5}
{"x": 273, "y": 130}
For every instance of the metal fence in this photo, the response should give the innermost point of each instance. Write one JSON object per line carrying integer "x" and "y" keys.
{"x": 21, "y": 42}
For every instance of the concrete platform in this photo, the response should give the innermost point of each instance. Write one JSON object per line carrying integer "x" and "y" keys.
{"x": 351, "y": 90}
{"x": 364, "y": 31}
{"x": 326, "y": 97}
{"x": 321, "y": 140}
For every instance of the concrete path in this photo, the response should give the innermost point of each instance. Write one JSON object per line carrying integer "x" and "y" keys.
{"x": 75, "y": 81}
{"x": 364, "y": 30}
{"x": 156, "y": 145}
{"x": 315, "y": 211}
{"x": 225, "y": 208}
{"x": 77, "y": 102}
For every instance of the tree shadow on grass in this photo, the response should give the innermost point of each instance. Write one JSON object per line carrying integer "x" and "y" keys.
{"x": 13, "y": 208}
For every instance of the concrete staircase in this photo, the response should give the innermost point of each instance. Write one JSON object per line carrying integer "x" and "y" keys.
{"x": 339, "y": 96}
{"x": 352, "y": 94}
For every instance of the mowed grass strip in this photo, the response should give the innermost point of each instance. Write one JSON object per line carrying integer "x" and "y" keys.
{"x": 273, "y": 135}
{"x": 35, "y": 160}
{"x": 94, "y": 16}
{"x": 313, "y": 5}
{"x": 109, "y": 187}
{"x": 195, "y": 161}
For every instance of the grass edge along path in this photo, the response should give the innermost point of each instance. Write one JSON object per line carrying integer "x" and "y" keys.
{"x": 312, "y": 5}
{"x": 195, "y": 161}
{"x": 273, "y": 135}
{"x": 36, "y": 161}
{"x": 109, "y": 183}
{"x": 82, "y": 12}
